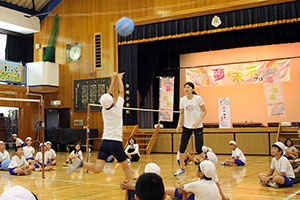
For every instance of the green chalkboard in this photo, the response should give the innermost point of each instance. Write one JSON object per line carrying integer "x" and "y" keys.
{"x": 89, "y": 91}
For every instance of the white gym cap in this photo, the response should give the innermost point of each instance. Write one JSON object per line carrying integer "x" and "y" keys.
{"x": 1, "y": 142}
{"x": 14, "y": 135}
{"x": 42, "y": 144}
{"x": 28, "y": 138}
{"x": 17, "y": 193}
{"x": 152, "y": 168}
{"x": 204, "y": 148}
{"x": 208, "y": 168}
{"x": 106, "y": 100}
{"x": 212, "y": 157}
{"x": 232, "y": 142}
{"x": 280, "y": 145}
{"x": 48, "y": 142}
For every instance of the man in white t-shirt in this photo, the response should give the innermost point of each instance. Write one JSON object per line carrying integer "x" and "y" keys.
{"x": 112, "y": 114}
{"x": 237, "y": 158}
{"x": 285, "y": 176}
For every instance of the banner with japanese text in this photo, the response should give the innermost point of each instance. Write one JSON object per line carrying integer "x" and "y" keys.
{"x": 11, "y": 71}
{"x": 166, "y": 98}
{"x": 273, "y": 90}
{"x": 224, "y": 112}
{"x": 236, "y": 73}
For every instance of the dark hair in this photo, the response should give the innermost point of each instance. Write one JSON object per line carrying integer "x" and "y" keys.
{"x": 16, "y": 149}
{"x": 133, "y": 140}
{"x": 279, "y": 149}
{"x": 199, "y": 170}
{"x": 288, "y": 139}
{"x": 76, "y": 145}
{"x": 150, "y": 186}
{"x": 191, "y": 85}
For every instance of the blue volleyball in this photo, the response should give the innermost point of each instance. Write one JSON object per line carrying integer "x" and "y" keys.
{"x": 4, "y": 164}
{"x": 125, "y": 26}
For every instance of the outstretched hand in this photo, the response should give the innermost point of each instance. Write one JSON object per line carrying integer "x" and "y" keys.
{"x": 120, "y": 75}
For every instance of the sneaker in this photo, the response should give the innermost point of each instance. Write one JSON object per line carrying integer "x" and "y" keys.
{"x": 273, "y": 184}
{"x": 77, "y": 163}
{"x": 179, "y": 172}
{"x": 222, "y": 163}
{"x": 37, "y": 169}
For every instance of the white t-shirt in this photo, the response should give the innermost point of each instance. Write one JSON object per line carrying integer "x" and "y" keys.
{"x": 4, "y": 155}
{"x": 292, "y": 148}
{"x": 283, "y": 165}
{"x": 19, "y": 142}
{"x": 77, "y": 153}
{"x": 113, "y": 121}
{"x": 203, "y": 190}
{"x": 240, "y": 154}
{"x": 28, "y": 151}
{"x": 52, "y": 153}
{"x": 192, "y": 110}
{"x": 16, "y": 162}
{"x": 39, "y": 157}
{"x": 135, "y": 147}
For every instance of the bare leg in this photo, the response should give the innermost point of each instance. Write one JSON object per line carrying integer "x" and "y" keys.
{"x": 182, "y": 158}
{"x": 221, "y": 192}
{"x": 170, "y": 191}
{"x": 126, "y": 170}
{"x": 278, "y": 179}
{"x": 96, "y": 168}
{"x": 19, "y": 171}
{"x": 262, "y": 177}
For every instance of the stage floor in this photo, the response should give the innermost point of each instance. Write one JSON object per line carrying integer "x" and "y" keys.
{"x": 237, "y": 182}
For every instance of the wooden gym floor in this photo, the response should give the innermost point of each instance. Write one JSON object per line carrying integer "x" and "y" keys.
{"x": 237, "y": 182}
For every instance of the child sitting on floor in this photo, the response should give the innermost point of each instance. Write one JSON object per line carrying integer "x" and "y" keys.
{"x": 4, "y": 155}
{"x": 52, "y": 154}
{"x": 18, "y": 164}
{"x": 77, "y": 153}
{"x": 29, "y": 151}
{"x": 291, "y": 152}
{"x": 187, "y": 158}
{"x": 39, "y": 159}
{"x": 237, "y": 157}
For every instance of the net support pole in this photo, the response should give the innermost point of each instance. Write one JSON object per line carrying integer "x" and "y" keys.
{"x": 88, "y": 134}
{"x": 42, "y": 127}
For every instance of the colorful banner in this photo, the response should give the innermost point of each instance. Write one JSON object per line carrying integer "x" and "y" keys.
{"x": 236, "y": 73}
{"x": 166, "y": 98}
{"x": 11, "y": 71}
{"x": 274, "y": 91}
{"x": 224, "y": 112}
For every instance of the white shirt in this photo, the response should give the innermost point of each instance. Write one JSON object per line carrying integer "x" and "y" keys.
{"x": 135, "y": 147}
{"x": 292, "y": 148}
{"x": 17, "y": 193}
{"x": 52, "y": 153}
{"x": 16, "y": 162}
{"x": 39, "y": 157}
{"x": 240, "y": 154}
{"x": 203, "y": 190}
{"x": 77, "y": 153}
{"x": 28, "y": 151}
{"x": 113, "y": 121}
{"x": 192, "y": 110}
{"x": 4, "y": 155}
{"x": 283, "y": 165}
{"x": 19, "y": 142}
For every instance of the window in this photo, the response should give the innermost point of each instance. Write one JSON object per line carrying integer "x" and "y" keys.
{"x": 2, "y": 46}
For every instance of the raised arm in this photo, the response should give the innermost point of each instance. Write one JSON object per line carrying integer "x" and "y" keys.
{"x": 113, "y": 80}
{"x": 121, "y": 85}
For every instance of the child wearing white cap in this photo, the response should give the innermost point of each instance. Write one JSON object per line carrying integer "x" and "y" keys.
{"x": 29, "y": 151}
{"x": 285, "y": 175}
{"x": 187, "y": 158}
{"x": 18, "y": 164}
{"x": 39, "y": 159}
{"x": 4, "y": 155}
{"x": 129, "y": 185}
{"x": 205, "y": 150}
{"x": 237, "y": 158}
{"x": 18, "y": 193}
{"x": 18, "y": 141}
{"x": 52, "y": 154}
{"x": 112, "y": 138}
{"x": 205, "y": 188}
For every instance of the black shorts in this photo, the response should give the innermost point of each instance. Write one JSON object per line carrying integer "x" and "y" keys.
{"x": 111, "y": 147}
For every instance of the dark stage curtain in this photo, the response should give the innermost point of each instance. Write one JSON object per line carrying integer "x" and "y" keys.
{"x": 19, "y": 48}
{"x": 260, "y": 16}
{"x": 128, "y": 63}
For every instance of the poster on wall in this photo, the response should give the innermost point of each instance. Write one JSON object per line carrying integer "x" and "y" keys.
{"x": 166, "y": 98}
{"x": 243, "y": 73}
{"x": 224, "y": 112}
{"x": 274, "y": 91}
{"x": 11, "y": 71}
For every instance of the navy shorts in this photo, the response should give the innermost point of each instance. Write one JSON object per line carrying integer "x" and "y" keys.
{"x": 23, "y": 145}
{"x": 36, "y": 166}
{"x": 288, "y": 182}
{"x": 30, "y": 158}
{"x": 111, "y": 147}
{"x": 179, "y": 196}
{"x": 239, "y": 162}
{"x": 185, "y": 162}
{"x": 12, "y": 171}
{"x": 131, "y": 194}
